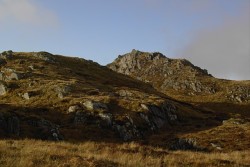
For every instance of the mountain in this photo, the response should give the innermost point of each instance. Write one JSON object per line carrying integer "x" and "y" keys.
{"x": 144, "y": 98}
{"x": 53, "y": 97}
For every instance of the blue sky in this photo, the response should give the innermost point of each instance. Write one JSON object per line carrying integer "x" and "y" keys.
{"x": 101, "y": 30}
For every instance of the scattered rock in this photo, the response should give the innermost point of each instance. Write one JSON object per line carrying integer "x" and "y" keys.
{"x": 31, "y": 67}
{"x": 1, "y": 76}
{"x": 95, "y": 106}
{"x": 185, "y": 144}
{"x": 238, "y": 94}
{"x": 216, "y": 146}
{"x": 236, "y": 121}
{"x": 238, "y": 99}
{"x": 125, "y": 93}
{"x": 48, "y": 57}
{"x": 74, "y": 108}
{"x": 14, "y": 76}
{"x": 26, "y": 96}
{"x": 63, "y": 91}
{"x": 6, "y": 54}
{"x": 3, "y": 89}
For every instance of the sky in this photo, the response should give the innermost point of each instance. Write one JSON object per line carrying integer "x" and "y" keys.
{"x": 212, "y": 34}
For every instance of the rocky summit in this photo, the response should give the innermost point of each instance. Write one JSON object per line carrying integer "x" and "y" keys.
{"x": 158, "y": 102}
{"x": 179, "y": 76}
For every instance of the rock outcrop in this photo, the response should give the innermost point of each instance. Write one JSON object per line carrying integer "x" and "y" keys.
{"x": 185, "y": 144}
{"x": 95, "y": 106}
{"x": 179, "y": 76}
{"x": 152, "y": 116}
{"x": 163, "y": 72}
{"x": 239, "y": 94}
{"x": 3, "y": 88}
{"x": 48, "y": 57}
{"x": 6, "y": 54}
{"x": 48, "y": 130}
{"x": 10, "y": 124}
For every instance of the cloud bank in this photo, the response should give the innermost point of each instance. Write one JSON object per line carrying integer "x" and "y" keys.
{"x": 26, "y": 12}
{"x": 225, "y": 49}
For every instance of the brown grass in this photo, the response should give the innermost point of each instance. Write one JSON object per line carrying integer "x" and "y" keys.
{"x": 25, "y": 153}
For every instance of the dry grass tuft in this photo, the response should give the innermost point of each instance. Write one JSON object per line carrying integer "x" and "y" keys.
{"x": 25, "y": 153}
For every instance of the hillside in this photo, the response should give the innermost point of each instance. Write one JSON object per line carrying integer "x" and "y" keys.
{"x": 57, "y": 98}
{"x": 181, "y": 80}
{"x": 45, "y": 96}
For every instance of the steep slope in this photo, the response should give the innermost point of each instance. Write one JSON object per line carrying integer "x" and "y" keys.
{"x": 53, "y": 97}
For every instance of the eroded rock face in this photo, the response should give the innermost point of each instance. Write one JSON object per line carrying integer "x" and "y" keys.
{"x": 153, "y": 117}
{"x": 50, "y": 131}
{"x": 158, "y": 116}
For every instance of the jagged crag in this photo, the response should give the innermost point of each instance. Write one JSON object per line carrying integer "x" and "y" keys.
{"x": 141, "y": 96}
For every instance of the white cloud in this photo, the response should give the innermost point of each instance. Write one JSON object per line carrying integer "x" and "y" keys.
{"x": 27, "y": 12}
{"x": 225, "y": 49}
